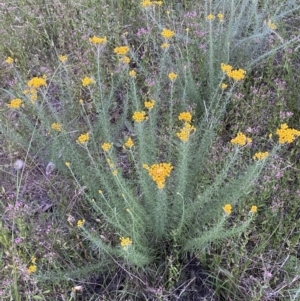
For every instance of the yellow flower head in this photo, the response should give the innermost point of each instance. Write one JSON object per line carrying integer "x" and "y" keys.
{"x": 98, "y": 41}
{"x": 125, "y": 59}
{"x": 226, "y": 68}
{"x": 139, "y": 116}
{"x": 125, "y": 242}
{"x": 15, "y": 103}
{"x": 159, "y": 172}
{"x": 167, "y": 33}
{"x": 238, "y": 74}
{"x": 286, "y": 134}
{"x": 149, "y": 104}
{"x": 132, "y": 73}
{"x": 240, "y": 139}
{"x": 115, "y": 172}
{"x": 83, "y": 138}
{"x": 106, "y": 146}
{"x": 129, "y": 143}
{"x": 227, "y": 208}
{"x": 32, "y": 94}
{"x": 56, "y": 126}
{"x": 67, "y": 164}
{"x": 185, "y": 132}
{"x": 121, "y": 50}
{"x": 271, "y": 25}
{"x": 37, "y": 82}
{"x": 63, "y": 58}
{"x": 253, "y": 209}
{"x": 223, "y": 86}
{"x": 210, "y": 17}
{"x": 221, "y": 17}
{"x": 9, "y": 60}
{"x": 165, "y": 45}
{"x": 86, "y": 81}
{"x": 172, "y": 76}
{"x": 80, "y": 223}
{"x": 185, "y": 116}
{"x": 32, "y": 269}
{"x": 33, "y": 259}
{"x": 260, "y": 155}
{"x": 146, "y": 3}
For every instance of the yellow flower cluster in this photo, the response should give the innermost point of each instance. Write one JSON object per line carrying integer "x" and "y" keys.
{"x": 80, "y": 223}
{"x": 121, "y": 50}
{"x": 149, "y": 104}
{"x": 235, "y": 74}
{"x": 139, "y": 116}
{"x": 223, "y": 86}
{"x": 227, "y": 208}
{"x": 63, "y": 58}
{"x": 148, "y": 3}
{"x": 286, "y": 134}
{"x": 253, "y": 209}
{"x": 125, "y": 242}
{"x": 210, "y": 17}
{"x": 129, "y": 143}
{"x": 185, "y": 132}
{"x": 172, "y": 76}
{"x": 125, "y": 59}
{"x": 15, "y": 103}
{"x": 9, "y": 60}
{"x": 221, "y": 17}
{"x": 98, "y": 41}
{"x": 185, "y": 116}
{"x": 83, "y": 138}
{"x": 271, "y": 25}
{"x": 32, "y": 269}
{"x": 56, "y": 126}
{"x": 132, "y": 73}
{"x": 159, "y": 172}
{"x": 167, "y": 33}
{"x": 37, "y": 82}
{"x": 240, "y": 139}
{"x": 32, "y": 94}
{"x": 106, "y": 146}
{"x": 86, "y": 81}
{"x": 260, "y": 155}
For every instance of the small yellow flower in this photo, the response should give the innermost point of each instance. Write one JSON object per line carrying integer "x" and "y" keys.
{"x": 32, "y": 94}
{"x": 226, "y": 68}
{"x": 33, "y": 259}
{"x": 37, "y": 82}
{"x": 167, "y": 33}
{"x": 185, "y": 132}
{"x": 146, "y": 3}
{"x": 271, "y": 25}
{"x": 227, "y": 208}
{"x": 125, "y": 242}
{"x": 127, "y": 210}
{"x": 80, "y": 223}
{"x": 172, "y": 76}
{"x": 149, "y": 104}
{"x": 223, "y": 86}
{"x": 98, "y": 41}
{"x": 187, "y": 29}
{"x": 185, "y": 116}
{"x": 115, "y": 172}
{"x": 139, "y": 116}
{"x": 86, "y": 81}
{"x": 121, "y": 50}
{"x": 67, "y": 164}
{"x": 106, "y": 146}
{"x": 240, "y": 139}
{"x": 210, "y": 17}
{"x": 270, "y": 136}
{"x": 260, "y": 155}
{"x": 159, "y": 172}
{"x": 56, "y": 126}
{"x": 286, "y": 134}
{"x": 81, "y": 101}
{"x": 165, "y": 45}
{"x": 221, "y": 17}
{"x": 83, "y": 138}
{"x": 159, "y": 3}
{"x": 100, "y": 191}
{"x": 253, "y": 209}
{"x": 15, "y": 103}
{"x": 132, "y": 73}
{"x": 125, "y": 59}
{"x": 63, "y": 58}
{"x": 129, "y": 143}
{"x": 32, "y": 269}
{"x": 9, "y": 60}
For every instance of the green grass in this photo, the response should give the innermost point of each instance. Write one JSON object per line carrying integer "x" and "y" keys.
{"x": 184, "y": 246}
